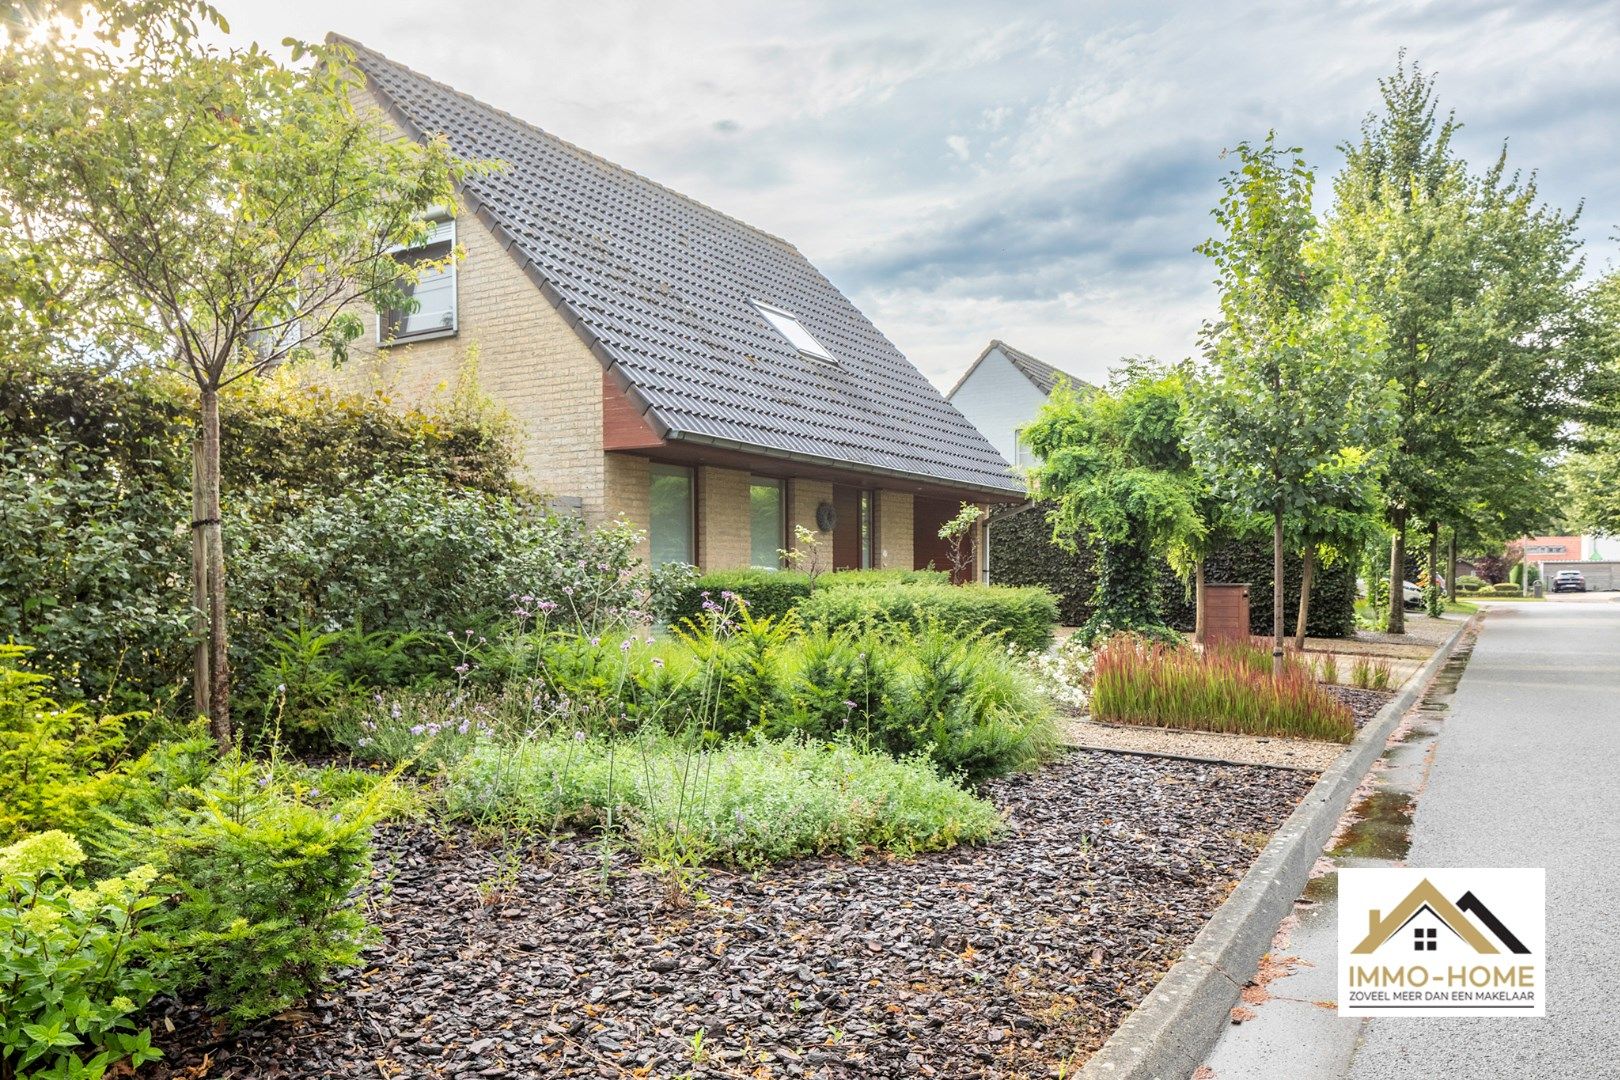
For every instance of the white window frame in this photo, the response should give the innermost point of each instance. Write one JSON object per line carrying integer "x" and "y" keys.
{"x": 445, "y": 221}
{"x": 787, "y": 324}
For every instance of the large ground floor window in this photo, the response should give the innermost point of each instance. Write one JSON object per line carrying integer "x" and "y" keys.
{"x": 671, "y": 533}
{"x": 767, "y": 523}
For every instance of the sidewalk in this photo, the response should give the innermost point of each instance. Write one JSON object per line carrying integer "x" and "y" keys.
{"x": 1519, "y": 766}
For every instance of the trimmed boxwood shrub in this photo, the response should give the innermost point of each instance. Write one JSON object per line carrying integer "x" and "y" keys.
{"x": 1024, "y": 616}
{"x": 775, "y": 592}
{"x": 840, "y": 579}
{"x": 1022, "y": 553}
{"x": 770, "y": 593}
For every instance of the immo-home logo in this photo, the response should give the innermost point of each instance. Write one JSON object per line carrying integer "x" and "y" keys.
{"x": 1442, "y": 942}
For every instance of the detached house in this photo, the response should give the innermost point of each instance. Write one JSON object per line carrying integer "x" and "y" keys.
{"x": 1001, "y": 392}
{"x": 667, "y": 364}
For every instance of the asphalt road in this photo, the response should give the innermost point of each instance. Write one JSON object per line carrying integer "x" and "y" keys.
{"x": 1527, "y": 773}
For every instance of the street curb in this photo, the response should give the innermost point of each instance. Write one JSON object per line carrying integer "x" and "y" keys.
{"x": 1175, "y": 1027}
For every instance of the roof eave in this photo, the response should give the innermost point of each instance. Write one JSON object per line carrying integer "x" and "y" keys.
{"x": 1010, "y": 494}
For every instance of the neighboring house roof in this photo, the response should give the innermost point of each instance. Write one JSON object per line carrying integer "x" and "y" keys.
{"x": 1043, "y": 376}
{"x": 660, "y": 286}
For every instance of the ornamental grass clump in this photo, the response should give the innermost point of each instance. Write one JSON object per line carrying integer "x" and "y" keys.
{"x": 743, "y": 803}
{"x": 1139, "y": 682}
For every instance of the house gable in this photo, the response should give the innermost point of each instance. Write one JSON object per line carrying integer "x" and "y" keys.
{"x": 670, "y": 297}
{"x": 998, "y": 399}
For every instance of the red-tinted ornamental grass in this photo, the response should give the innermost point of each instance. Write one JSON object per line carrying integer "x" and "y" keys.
{"x": 1141, "y": 682}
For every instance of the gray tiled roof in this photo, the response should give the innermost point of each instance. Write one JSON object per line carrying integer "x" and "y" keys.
{"x": 1042, "y": 375}
{"x": 659, "y": 285}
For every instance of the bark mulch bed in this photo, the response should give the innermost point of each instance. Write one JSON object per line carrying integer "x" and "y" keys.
{"x": 1000, "y": 960}
{"x": 1363, "y": 703}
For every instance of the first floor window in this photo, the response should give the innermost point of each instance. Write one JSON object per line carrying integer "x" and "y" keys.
{"x": 432, "y": 296}
{"x": 868, "y": 530}
{"x": 765, "y": 523}
{"x": 670, "y": 535}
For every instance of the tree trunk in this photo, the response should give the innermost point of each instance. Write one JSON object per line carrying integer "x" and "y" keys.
{"x": 1451, "y": 565}
{"x": 208, "y": 541}
{"x": 1434, "y": 554}
{"x": 1397, "y": 573}
{"x": 1199, "y": 597}
{"x": 1277, "y": 591}
{"x": 201, "y": 684}
{"x": 1306, "y": 574}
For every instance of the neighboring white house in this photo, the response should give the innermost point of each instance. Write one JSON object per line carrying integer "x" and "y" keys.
{"x": 1001, "y": 392}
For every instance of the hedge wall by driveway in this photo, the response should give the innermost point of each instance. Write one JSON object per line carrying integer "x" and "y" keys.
{"x": 1022, "y": 553}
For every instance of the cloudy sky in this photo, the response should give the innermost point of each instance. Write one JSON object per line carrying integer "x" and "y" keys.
{"x": 1037, "y": 171}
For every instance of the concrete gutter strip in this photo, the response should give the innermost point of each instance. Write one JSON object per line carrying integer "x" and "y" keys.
{"x": 1176, "y": 1026}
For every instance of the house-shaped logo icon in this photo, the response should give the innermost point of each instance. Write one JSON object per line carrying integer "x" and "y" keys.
{"x": 1426, "y": 910}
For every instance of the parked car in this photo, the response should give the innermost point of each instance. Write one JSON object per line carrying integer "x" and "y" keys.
{"x": 1569, "y": 581}
{"x": 1411, "y": 595}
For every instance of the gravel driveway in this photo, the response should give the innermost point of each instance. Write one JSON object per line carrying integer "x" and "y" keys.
{"x": 998, "y": 960}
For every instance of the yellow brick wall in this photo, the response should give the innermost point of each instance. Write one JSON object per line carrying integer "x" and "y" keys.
{"x": 803, "y": 498}
{"x": 628, "y": 494}
{"x": 528, "y": 360}
{"x": 723, "y": 521}
{"x": 895, "y": 523}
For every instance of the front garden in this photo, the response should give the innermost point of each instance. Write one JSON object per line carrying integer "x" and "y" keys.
{"x": 501, "y": 799}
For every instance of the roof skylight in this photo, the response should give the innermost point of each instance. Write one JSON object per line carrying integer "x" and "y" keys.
{"x": 789, "y": 327}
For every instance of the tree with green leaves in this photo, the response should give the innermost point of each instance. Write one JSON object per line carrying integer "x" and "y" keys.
{"x": 1289, "y": 390}
{"x": 1116, "y": 471}
{"x": 206, "y": 210}
{"x": 1340, "y": 517}
{"x": 1477, "y": 284}
{"x": 1589, "y": 475}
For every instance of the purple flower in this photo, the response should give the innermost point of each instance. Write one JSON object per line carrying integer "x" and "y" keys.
{"x": 417, "y": 729}
{"x": 624, "y": 646}
{"x": 568, "y": 590}
{"x": 658, "y": 661}
{"x": 849, "y": 704}
{"x": 548, "y": 606}
{"x": 579, "y": 736}
{"x": 463, "y": 667}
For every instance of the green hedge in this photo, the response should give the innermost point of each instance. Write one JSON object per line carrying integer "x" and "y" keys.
{"x": 775, "y": 592}
{"x": 1333, "y": 592}
{"x": 1024, "y": 616}
{"x": 869, "y": 578}
{"x": 1022, "y": 553}
{"x": 770, "y": 593}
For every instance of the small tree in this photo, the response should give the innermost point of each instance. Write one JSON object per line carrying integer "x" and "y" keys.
{"x": 1113, "y": 465}
{"x": 210, "y": 211}
{"x": 1342, "y": 515}
{"x": 958, "y": 532}
{"x": 1288, "y": 384}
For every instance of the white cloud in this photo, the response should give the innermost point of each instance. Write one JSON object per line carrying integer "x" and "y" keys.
{"x": 1094, "y": 130}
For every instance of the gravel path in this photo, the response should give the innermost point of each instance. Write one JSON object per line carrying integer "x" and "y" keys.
{"x": 999, "y": 960}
